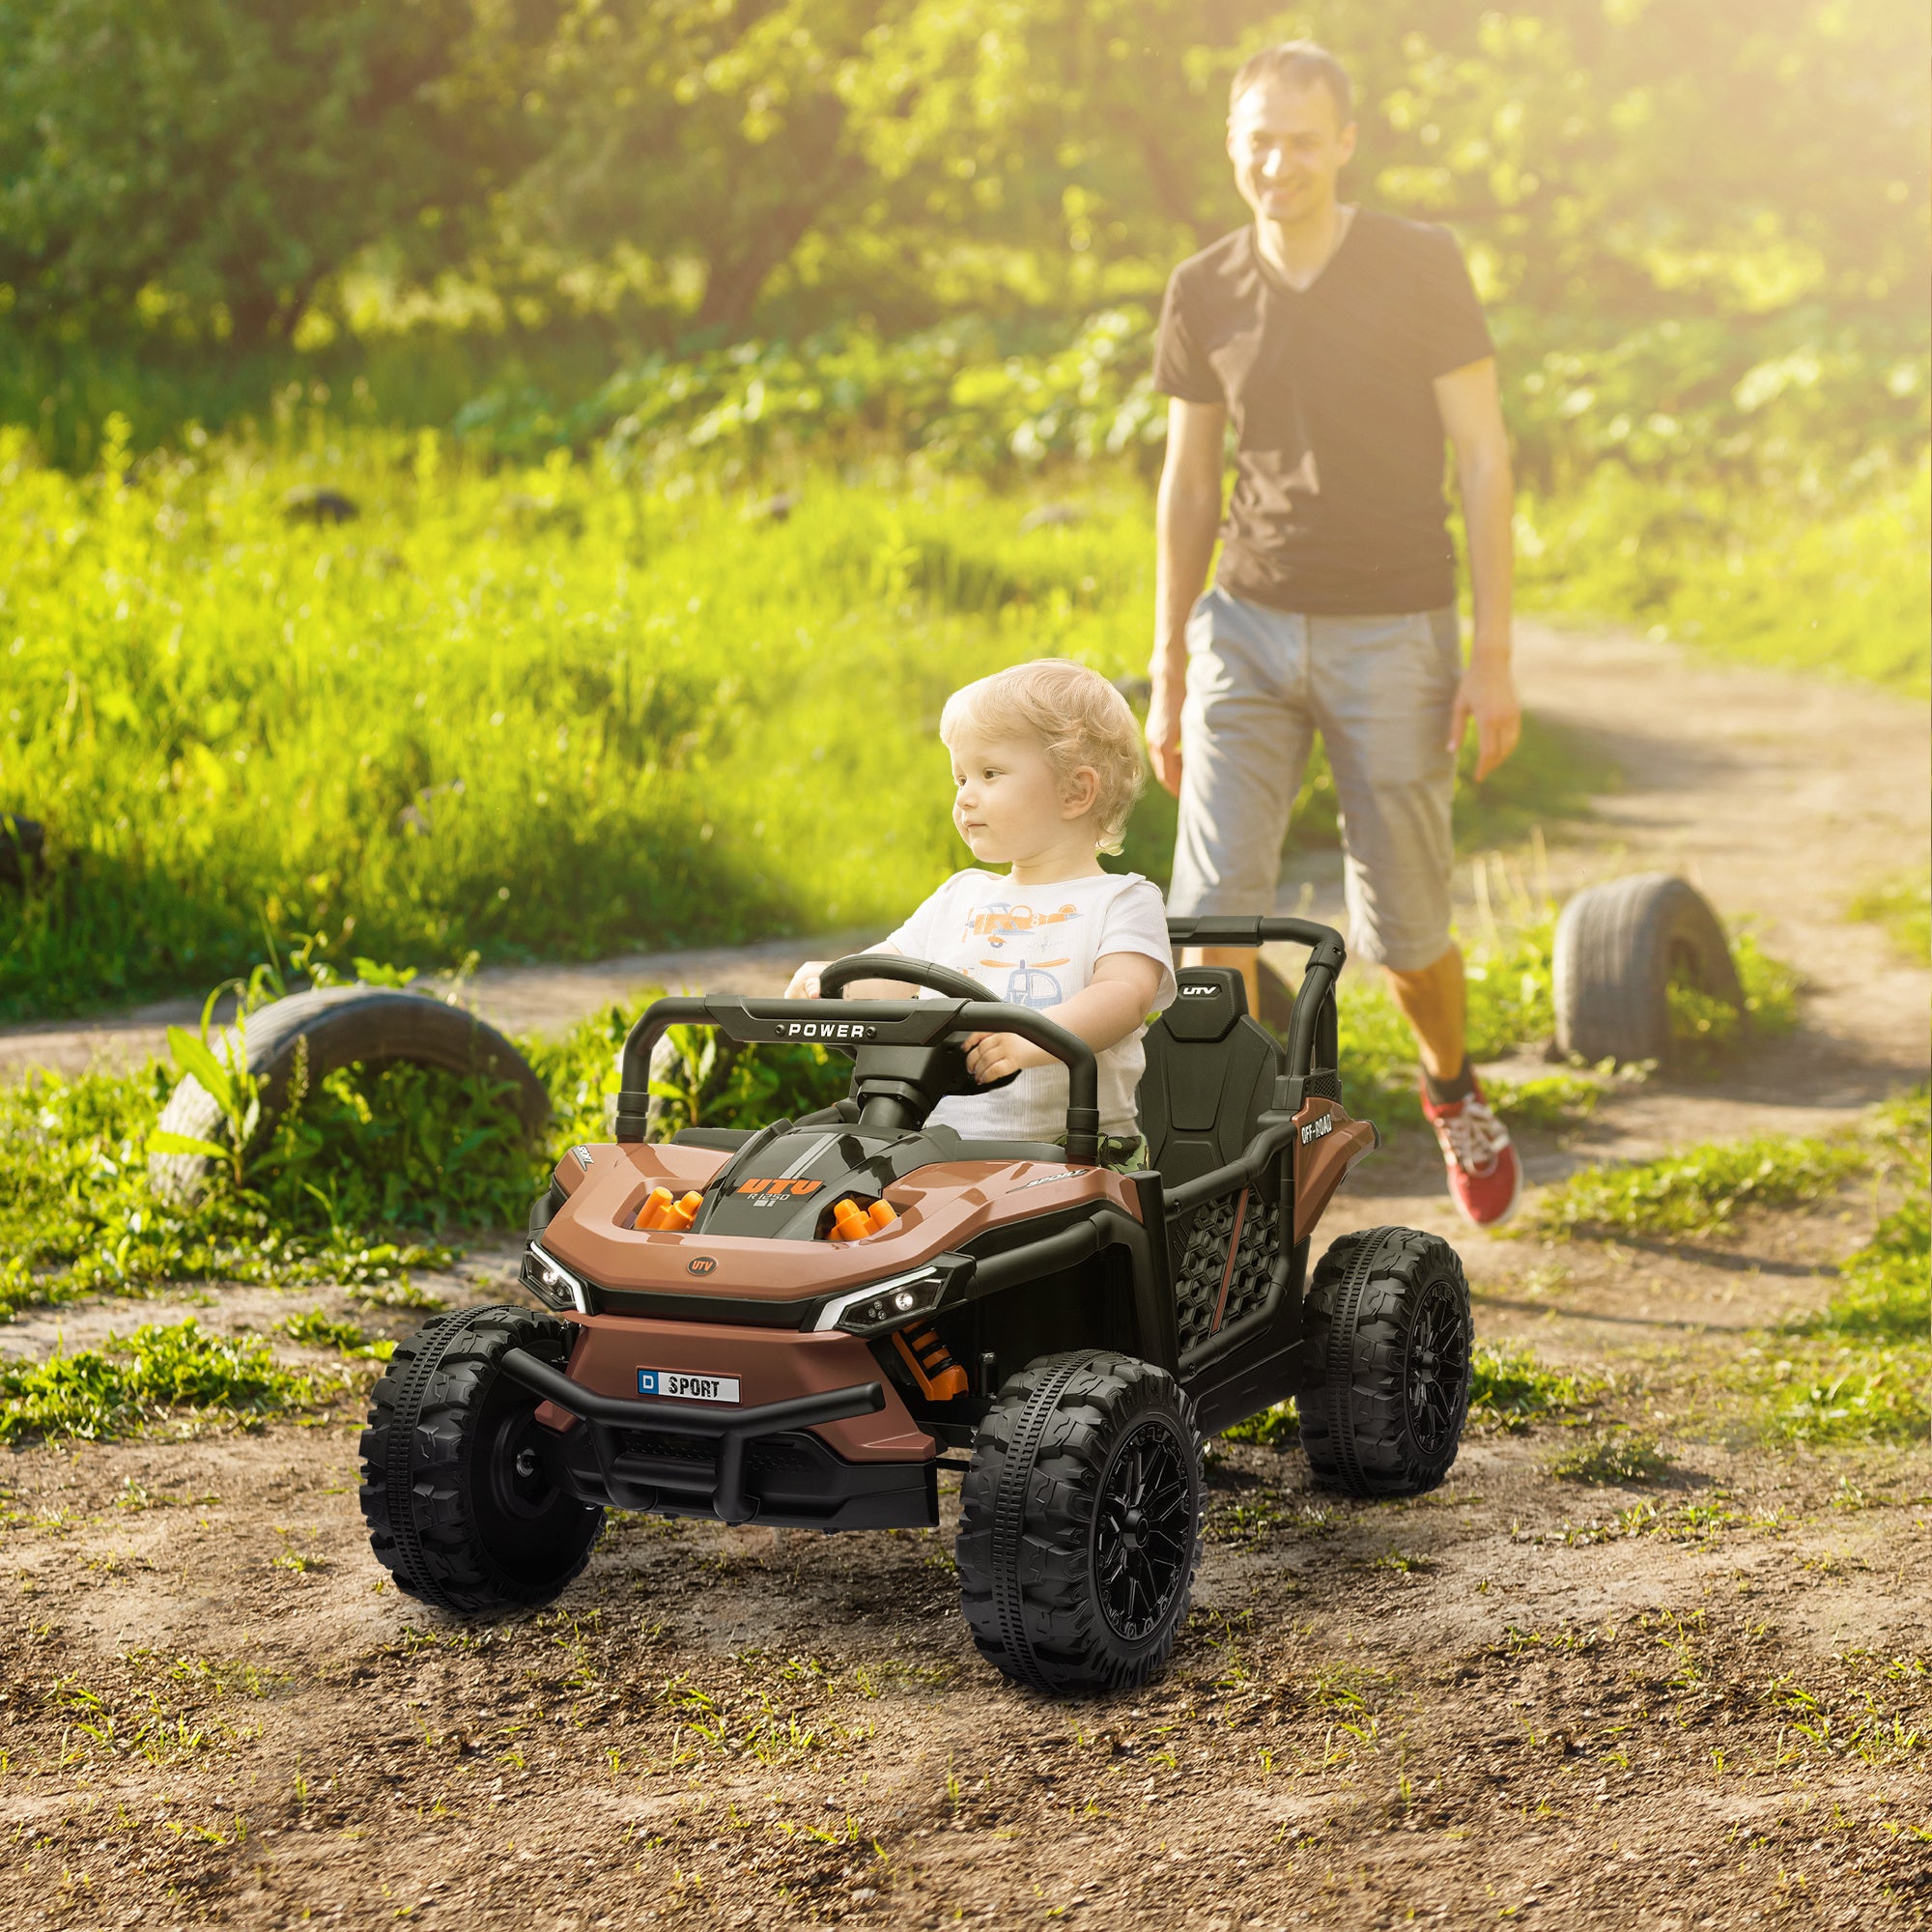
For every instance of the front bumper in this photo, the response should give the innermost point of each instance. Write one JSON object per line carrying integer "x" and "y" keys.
{"x": 737, "y": 1464}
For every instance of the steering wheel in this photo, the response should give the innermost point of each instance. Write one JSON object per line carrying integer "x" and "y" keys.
{"x": 841, "y": 974}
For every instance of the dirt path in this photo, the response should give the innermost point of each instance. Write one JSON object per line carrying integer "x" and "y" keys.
{"x": 1701, "y": 1701}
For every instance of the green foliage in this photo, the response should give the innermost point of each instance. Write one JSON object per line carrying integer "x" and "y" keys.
{"x": 1510, "y": 1389}
{"x": 1740, "y": 575}
{"x": 351, "y": 1178}
{"x": 157, "y": 1373}
{"x": 320, "y": 1330}
{"x": 1276, "y": 1427}
{"x": 1621, "y": 1457}
{"x": 1697, "y": 1190}
{"x": 1903, "y": 907}
{"x": 1707, "y": 1029}
{"x": 201, "y": 170}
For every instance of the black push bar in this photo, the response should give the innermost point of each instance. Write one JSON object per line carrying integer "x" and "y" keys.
{"x": 856, "y": 1024}
{"x": 1311, "y": 1027}
{"x": 732, "y": 1427}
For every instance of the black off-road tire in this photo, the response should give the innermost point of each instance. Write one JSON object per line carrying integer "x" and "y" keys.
{"x": 296, "y": 1041}
{"x": 1618, "y": 948}
{"x": 1387, "y": 1323}
{"x": 1053, "y": 1594}
{"x": 459, "y": 1510}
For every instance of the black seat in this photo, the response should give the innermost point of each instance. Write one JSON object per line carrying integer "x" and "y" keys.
{"x": 1211, "y": 1070}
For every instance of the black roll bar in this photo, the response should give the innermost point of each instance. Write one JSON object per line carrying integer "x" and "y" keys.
{"x": 1311, "y": 1027}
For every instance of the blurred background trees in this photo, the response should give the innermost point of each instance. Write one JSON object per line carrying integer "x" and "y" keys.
{"x": 1701, "y": 224}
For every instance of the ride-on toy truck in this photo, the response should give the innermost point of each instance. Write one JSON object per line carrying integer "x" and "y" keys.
{"x": 801, "y": 1326}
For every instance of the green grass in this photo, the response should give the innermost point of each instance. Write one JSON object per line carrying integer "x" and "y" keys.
{"x": 1510, "y": 1389}
{"x": 177, "y": 1373}
{"x": 1276, "y": 1427}
{"x": 1903, "y": 907}
{"x": 1859, "y": 1369}
{"x": 358, "y": 1185}
{"x": 1698, "y": 1190}
{"x": 1834, "y": 589}
{"x": 1617, "y": 1458}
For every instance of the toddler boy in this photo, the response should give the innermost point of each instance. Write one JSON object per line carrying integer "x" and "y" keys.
{"x": 1047, "y": 765}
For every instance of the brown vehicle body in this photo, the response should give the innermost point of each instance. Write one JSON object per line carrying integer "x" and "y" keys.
{"x": 1196, "y": 1265}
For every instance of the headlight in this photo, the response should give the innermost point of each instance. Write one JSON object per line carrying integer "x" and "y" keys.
{"x": 888, "y": 1304}
{"x": 552, "y": 1282}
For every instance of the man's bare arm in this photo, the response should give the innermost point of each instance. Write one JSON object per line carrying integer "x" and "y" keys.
{"x": 1187, "y": 515}
{"x": 1472, "y": 414}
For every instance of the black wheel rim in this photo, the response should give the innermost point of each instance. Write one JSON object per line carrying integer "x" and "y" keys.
{"x": 1143, "y": 1530}
{"x": 1436, "y": 1378}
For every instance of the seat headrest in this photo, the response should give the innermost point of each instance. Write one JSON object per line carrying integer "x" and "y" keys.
{"x": 1208, "y": 1001}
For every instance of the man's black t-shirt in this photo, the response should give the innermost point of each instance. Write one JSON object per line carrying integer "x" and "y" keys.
{"x": 1338, "y": 469}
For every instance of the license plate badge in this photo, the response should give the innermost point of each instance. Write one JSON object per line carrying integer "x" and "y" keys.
{"x": 676, "y": 1385}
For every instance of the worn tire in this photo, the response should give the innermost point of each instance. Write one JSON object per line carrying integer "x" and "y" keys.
{"x": 1387, "y": 1417}
{"x": 1044, "y": 1580}
{"x": 449, "y": 1516}
{"x": 1618, "y": 948}
{"x": 306, "y": 1036}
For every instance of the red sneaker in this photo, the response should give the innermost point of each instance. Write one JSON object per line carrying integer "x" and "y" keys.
{"x": 1485, "y": 1175}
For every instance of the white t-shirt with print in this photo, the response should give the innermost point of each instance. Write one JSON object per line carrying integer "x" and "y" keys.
{"x": 1035, "y": 947}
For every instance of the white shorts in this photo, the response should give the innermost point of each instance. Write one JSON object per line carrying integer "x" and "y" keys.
{"x": 1380, "y": 690}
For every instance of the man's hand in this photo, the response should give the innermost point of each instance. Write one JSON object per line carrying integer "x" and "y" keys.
{"x": 1487, "y": 695}
{"x": 992, "y": 1056}
{"x": 1163, "y": 736}
{"x": 805, "y": 982}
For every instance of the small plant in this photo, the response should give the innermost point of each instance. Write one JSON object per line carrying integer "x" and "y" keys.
{"x": 1510, "y": 1389}
{"x": 1903, "y": 907}
{"x": 158, "y": 1372}
{"x": 1697, "y": 1190}
{"x": 1276, "y": 1427}
{"x": 1617, "y": 1458}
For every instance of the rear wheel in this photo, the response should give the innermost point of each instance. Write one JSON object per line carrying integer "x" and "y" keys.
{"x": 1387, "y": 1323}
{"x": 460, "y": 1508}
{"x": 1080, "y": 1522}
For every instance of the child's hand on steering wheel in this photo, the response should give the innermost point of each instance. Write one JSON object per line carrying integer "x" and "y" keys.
{"x": 992, "y": 1056}
{"x": 805, "y": 982}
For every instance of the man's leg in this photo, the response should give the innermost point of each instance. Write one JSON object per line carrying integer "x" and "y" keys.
{"x": 1432, "y": 1000}
{"x": 1384, "y": 687}
{"x": 1245, "y": 738}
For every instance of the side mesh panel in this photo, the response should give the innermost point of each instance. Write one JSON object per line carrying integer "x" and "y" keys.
{"x": 1197, "y": 1280}
{"x": 1254, "y": 1261}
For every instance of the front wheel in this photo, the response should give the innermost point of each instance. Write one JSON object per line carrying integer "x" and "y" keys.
{"x": 1080, "y": 1524}
{"x": 1390, "y": 1333}
{"x": 459, "y": 1505}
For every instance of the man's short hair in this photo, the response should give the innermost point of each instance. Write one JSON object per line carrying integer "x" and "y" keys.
{"x": 1075, "y": 717}
{"x": 1300, "y": 63}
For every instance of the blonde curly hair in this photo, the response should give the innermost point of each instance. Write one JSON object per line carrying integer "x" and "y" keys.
{"x": 1075, "y": 715}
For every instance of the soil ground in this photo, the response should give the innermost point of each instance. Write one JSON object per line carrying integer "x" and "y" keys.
{"x": 1701, "y": 1700}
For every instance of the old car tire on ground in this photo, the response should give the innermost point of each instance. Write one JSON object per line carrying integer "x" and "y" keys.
{"x": 1386, "y": 1324}
{"x": 1080, "y": 1522}
{"x": 1619, "y": 948}
{"x": 459, "y": 1508}
{"x": 336, "y": 1026}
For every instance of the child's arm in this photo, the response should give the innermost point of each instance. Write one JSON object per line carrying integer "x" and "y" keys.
{"x": 1103, "y": 1012}
{"x": 805, "y": 982}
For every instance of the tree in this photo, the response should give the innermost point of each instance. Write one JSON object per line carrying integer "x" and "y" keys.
{"x": 222, "y": 157}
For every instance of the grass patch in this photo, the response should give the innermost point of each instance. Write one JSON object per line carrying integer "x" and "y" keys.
{"x": 1859, "y": 1369}
{"x": 1706, "y": 1031}
{"x": 1903, "y": 907}
{"x": 1840, "y": 589}
{"x": 161, "y": 1374}
{"x": 357, "y": 1184}
{"x": 1618, "y": 1457}
{"x": 1276, "y": 1427}
{"x": 1698, "y": 1190}
{"x": 1512, "y": 1390}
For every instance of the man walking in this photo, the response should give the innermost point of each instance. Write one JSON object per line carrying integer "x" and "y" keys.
{"x": 1344, "y": 344}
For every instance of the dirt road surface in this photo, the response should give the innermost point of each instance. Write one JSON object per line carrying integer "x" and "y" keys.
{"x": 1699, "y": 1701}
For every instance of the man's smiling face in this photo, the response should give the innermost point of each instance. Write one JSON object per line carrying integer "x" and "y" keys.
{"x": 1288, "y": 144}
